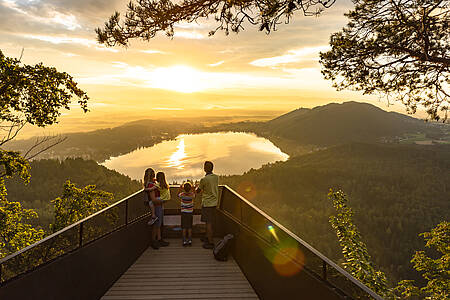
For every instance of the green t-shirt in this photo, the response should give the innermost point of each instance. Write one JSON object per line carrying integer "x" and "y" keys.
{"x": 210, "y": 190}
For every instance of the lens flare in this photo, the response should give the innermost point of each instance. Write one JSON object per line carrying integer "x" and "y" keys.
{"x": 273, "y": 232}
{"x": 247, "y": 190}
{"x": 288, "y": 261}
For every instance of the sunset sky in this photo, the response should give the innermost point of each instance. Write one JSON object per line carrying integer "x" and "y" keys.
{"x": 190, "y": 75}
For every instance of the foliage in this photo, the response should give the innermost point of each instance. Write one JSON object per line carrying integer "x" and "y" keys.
{"x": 76, "y": 204}
{"x": 357, "y": 259}
{"x": 48, "y": 177}
{"x": 11, "y": 163}
{"x": 399, "y": 49}
{"x": 145, "y": 18}
{"x": 33, "y": 95}
{"x": 16, "y": 232}
{"x": 435, "y": 271}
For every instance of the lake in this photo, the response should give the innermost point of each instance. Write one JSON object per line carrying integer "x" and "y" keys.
{"x": 232, "y": 153}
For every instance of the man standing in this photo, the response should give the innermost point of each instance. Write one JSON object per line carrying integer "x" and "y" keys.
{"x": 209, "y": 187}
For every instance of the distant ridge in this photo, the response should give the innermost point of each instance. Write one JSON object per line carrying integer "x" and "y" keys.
{"x": 342, "y": 123}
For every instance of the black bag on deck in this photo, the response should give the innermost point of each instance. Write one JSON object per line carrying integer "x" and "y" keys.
{"x": 222, "y": 248}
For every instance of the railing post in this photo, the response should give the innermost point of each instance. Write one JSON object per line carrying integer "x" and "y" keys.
{"x": 80, "y": 243}
{"x": 126, "y": 212}
{"x": 324, "y": 270}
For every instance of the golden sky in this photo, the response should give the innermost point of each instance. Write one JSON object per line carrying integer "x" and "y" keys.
{"x": 250, "y": 73}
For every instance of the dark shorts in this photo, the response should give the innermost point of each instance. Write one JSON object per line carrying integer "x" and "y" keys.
{"x": 159, "y": 212}
{"x": 208, "y": 214}
{"x": 186, "y": 220}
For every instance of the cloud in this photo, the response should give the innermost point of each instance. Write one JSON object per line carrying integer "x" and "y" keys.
{"x": 193, "y": 35}
{"x": 152, "y": 51}
{"x": 292, "y": 56}
{"x": 167, "y": 108}
{"x": 217, "y": 63}
{"x": 47, "y": 15}
{"x": 70, "y": 40}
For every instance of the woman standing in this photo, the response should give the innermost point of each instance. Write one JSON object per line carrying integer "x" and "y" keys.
{"x": 154, "y": 196}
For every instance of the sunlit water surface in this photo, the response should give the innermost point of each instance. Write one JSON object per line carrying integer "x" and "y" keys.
{"x": 232, "y": 153}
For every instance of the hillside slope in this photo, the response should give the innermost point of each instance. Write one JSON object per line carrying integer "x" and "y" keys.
{"x": 334, "y": 123}
{"x": 104, "y": 143}
{"x": 396, "y": 191}
{"x": 48, "y": 177}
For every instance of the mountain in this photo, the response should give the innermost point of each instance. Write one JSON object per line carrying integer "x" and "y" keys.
{"x": 396, "y": 192}
{"x": 334, "y": 123}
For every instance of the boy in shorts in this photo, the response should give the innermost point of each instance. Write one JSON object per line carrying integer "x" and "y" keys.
{"x": 187, "y": 196}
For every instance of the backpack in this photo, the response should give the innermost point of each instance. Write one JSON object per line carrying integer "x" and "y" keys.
{"x": 222, "y": 248}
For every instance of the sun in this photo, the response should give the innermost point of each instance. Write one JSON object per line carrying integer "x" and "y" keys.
{"x": 182, "y": 79}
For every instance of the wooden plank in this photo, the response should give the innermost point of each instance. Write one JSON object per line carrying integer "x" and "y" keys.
{"x": 177, "y": 272}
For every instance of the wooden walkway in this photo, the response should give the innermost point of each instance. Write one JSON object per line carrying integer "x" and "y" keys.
{"x": 178, "y": 272}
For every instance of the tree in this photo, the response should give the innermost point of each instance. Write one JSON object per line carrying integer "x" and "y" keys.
{"x": 435, "y": 271}
{"x": 395, "y": 48}
{"x": 28, "y": 95}
{"x": 15, "y": 231}
{"x": 357, "y": 259}
{"x": 34, "y": 95}
{"x": 76, "y": 204}
{"x": 145, "y": 18}
{"x": 399, "y": 49}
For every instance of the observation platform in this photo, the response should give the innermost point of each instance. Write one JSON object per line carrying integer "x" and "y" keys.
{"x": 178, "y": 272}
{"x": 107, "y": 256}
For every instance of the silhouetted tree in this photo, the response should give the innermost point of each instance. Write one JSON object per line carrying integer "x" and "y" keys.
{"x": 397, "y": 49}
{"x": 145, "y": 18}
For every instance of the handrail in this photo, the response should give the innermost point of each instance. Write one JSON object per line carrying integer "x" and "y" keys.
{"x": 67, "y": 228}
{"x": 306, "y": 245}
{"x": 261, "y": 212}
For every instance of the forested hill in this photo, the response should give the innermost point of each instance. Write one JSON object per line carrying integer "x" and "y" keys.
{"x": 342, "y": 123}
{"x": 104, "y": 143}
{"x": 48, "y": 177}
{"x": 396, "y": 191}
{"x": 335, "y": 124}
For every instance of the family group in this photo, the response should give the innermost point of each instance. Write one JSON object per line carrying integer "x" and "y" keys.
{"x": 157, "y": 191}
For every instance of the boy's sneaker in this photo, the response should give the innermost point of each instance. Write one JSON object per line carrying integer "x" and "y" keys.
{"x": 154, "y": 245}
{"x": 152, "y": 220}
{"x": 185, "y": 243}
{"x": 189, "y": 242}
{"x": 163, "y": 243}
{"x": 208, "y": 245}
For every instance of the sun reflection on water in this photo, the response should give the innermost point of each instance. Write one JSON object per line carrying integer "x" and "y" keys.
{"x": 177, "y": 158}
{"x": 183, "y": 158}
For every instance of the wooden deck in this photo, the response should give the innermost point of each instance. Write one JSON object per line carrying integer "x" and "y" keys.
{"x": 178, "y": 272}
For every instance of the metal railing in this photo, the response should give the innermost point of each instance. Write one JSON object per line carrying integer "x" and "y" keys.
{"x": 74, "y": 236}
{"x": 258, "y": 222}
{"x": 132, "y": 209}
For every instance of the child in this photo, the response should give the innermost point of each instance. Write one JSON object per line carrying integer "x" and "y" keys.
{"x": 147, "y": 189}
{"x": 163, "y": 187}
{"x": 187, "y": 196}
